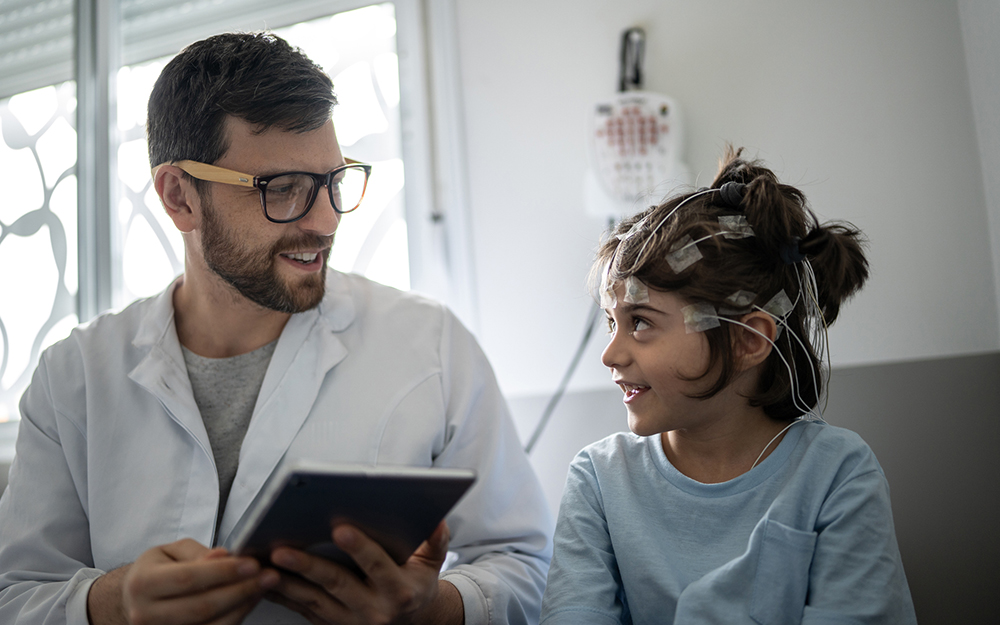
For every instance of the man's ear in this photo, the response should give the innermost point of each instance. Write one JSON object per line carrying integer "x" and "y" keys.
{"x": 179, "y": 197}
{"x": 753, "y": 344}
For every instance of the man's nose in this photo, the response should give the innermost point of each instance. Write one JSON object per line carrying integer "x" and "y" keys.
{"x": 321, "y": 219}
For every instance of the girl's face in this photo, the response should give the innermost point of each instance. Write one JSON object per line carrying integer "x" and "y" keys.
{"x": 652, "y": 359}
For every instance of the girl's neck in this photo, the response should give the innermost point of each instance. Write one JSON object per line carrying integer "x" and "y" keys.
{"x": 726, "y": 449}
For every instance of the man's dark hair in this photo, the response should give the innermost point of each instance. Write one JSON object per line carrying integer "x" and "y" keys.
{"x": 256, "y": 77}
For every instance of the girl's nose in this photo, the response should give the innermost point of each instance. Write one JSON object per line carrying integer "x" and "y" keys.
{"x": 614, "y": 355}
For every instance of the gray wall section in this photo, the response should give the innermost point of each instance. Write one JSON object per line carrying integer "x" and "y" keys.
{"x": 933, "y": 425}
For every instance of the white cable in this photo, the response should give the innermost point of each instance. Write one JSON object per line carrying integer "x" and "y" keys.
{"x": 797, "y": 399}
{"x": 783, "y": 430}
{"x": 638, "y": 258}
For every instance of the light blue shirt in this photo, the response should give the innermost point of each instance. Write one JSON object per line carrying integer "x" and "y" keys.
{"x": 805, "y": 537}
{"x": 113, "y": 457}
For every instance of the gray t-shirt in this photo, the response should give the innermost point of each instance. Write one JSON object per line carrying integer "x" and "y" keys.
{"x": 226, "y": 390}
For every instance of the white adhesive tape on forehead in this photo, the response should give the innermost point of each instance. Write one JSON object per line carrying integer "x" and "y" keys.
{"x": 699, "y": 317}
{"x": 608, "y": 297}
{"x": 635, "y": 291}
{"x": 683, "y": 254}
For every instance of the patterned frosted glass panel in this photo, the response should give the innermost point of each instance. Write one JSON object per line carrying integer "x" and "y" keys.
{"x": 358, "y": 50}
{"x": 38, "y": 232}
{"x": 152, "y": 250}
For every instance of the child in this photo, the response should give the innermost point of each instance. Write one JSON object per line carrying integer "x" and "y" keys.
{"x": 730, "y": 501}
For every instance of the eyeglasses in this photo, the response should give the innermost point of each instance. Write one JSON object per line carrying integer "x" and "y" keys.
{"x": 288, "y": 196}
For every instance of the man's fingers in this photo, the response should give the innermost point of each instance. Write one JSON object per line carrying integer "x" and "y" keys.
{"x": 172, "y": 579}
{"x": 235, "y": 617}
{"x": 282, "y": 600}
{"x": 223, "y": 604}
{"x": 322, "y": 572}
{"x": 216, "y": 552}
{"x": 308, "y": 599}
{"x": 366, "y": 553}
{"x": 185, "y": 550}
{"x": 434, "y": 550}
{"x": 331, "y": 593}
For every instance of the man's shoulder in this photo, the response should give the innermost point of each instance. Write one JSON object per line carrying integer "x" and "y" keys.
{"x": 111, "y": 327}
{"x": 368, "y": 289}
{"x": 367, "y": 301}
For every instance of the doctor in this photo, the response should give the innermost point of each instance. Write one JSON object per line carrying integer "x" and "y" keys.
{"x": 147, "y": 435}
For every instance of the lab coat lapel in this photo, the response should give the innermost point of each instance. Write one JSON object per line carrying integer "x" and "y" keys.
{"x": 307, "y": 350}
{"x": 163, "y": 374}
{"x": 162, "y": 371}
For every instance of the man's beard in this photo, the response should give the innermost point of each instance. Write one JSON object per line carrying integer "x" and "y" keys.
{"x": 252, "y": 272}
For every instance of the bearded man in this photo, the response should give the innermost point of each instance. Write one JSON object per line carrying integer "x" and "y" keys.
{"x": 147, "y": 435}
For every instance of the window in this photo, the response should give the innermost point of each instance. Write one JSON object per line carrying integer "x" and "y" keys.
{"x": 38, "y": 231}
{"x": 79, "y": 247}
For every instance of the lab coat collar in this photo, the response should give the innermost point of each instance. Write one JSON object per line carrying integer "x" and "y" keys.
{"x": 306, "y": 352}
{"x": 162, "y": 371}
{"x": 308, "y": 348}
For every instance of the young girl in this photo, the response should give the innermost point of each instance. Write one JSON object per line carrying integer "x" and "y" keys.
{"x": 730, "y": 501}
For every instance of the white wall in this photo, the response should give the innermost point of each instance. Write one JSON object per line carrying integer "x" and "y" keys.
{"x": 864, "y": 105}
{"x": 981, "y": 34}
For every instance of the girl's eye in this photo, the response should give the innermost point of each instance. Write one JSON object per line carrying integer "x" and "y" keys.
{"x": 611, "y": 325}
{"x": 640, "y": 324}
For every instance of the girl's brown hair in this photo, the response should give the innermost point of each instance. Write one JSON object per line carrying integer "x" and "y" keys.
{"x": 787, "y": 237}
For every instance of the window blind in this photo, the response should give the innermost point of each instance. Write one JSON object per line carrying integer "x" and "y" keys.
{"x": 37, "y": 36}
{"x": 36, "y": 44}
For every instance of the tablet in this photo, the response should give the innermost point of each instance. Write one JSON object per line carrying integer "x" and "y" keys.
{"x": 398, "y": 507}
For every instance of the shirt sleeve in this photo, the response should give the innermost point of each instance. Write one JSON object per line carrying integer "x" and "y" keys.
{"x": 857, "y": 573}
{"x": 46, "y": 567}
{"x": 501, "y": 530}
{"x": 584, "y": 583}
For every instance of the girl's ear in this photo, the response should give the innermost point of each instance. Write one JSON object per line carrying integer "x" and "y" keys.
{"x": 179, "y": 197}
{"x": 753, "y": 344}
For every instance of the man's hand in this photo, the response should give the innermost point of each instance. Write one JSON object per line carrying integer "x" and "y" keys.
{"x": 326, "y": 593}
{"x": 183, "y": 583}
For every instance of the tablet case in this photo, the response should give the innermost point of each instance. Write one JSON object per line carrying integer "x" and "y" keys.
{"x": 398, "y": 507}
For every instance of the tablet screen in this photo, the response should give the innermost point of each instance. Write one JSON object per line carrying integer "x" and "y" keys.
{"x": 398, "y": 507}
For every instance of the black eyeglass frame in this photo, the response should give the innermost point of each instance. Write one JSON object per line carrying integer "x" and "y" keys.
{"x": 214, "y": 173}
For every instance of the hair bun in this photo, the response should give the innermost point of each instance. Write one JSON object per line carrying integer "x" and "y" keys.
{"x": 732, "y": 193}
{"x": 815, "y": 241}
{"x": 789, "y": 252}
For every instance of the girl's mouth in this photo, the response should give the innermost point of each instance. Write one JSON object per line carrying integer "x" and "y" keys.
{"x": 632, "y": 390}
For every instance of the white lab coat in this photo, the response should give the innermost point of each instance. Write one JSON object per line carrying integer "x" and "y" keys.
{"x": 112, "y": 456}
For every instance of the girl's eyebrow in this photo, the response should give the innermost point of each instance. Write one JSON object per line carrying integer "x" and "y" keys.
{"x": 631, "y": 308}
